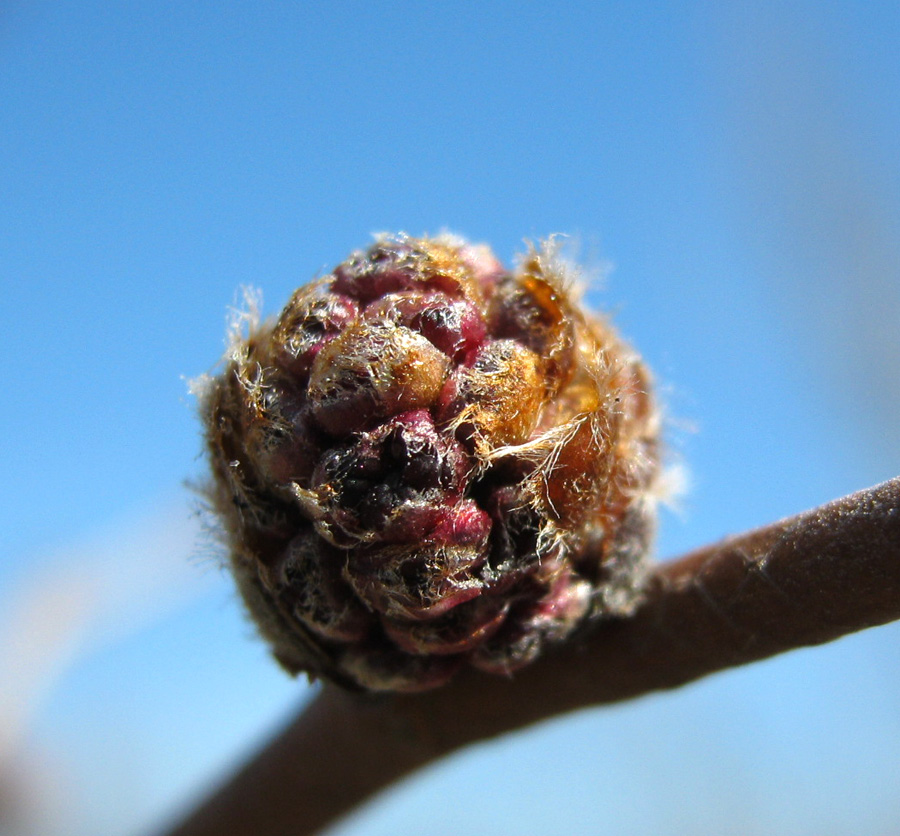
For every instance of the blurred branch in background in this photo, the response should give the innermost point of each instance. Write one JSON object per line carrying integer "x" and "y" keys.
{"x": 44, "y": 629}
{"x": 72, "y": 604}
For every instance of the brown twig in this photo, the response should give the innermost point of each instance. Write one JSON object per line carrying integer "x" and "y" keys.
{"x": 802, "y": 581}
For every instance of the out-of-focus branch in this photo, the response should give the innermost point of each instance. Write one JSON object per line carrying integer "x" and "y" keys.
{"x": 802, "y": 581}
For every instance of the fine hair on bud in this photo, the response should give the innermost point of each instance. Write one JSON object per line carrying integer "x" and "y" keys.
{"x": 429, "y": 461}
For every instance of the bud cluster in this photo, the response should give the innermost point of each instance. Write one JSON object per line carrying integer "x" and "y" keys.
{"x": 428, "y": 461}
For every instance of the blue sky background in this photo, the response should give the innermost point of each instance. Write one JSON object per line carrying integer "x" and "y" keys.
{"x": 732, "y": 171}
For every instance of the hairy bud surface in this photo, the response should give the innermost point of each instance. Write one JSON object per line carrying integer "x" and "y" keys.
{"x": 428, "y": 461}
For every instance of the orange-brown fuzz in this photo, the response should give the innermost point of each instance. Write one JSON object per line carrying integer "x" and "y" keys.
{"x": 428, "y": 461}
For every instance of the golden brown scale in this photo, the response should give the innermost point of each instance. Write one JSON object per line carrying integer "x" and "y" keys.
{"x": 498, "y": 400}
{"x": 373, "y": 370}
{"x": 533, "y": 309}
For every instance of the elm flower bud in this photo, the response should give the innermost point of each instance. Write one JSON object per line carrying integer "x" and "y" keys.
{"x": 428, "y": 461}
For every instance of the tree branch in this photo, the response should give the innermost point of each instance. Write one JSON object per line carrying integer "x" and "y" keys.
{"x": 801, "y": 581}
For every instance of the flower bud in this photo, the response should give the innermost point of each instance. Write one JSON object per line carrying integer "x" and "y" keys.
{"x": 427, "y": 462}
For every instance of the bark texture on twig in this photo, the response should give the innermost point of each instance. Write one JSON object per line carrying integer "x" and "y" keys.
{"x": 802, "y": 581}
